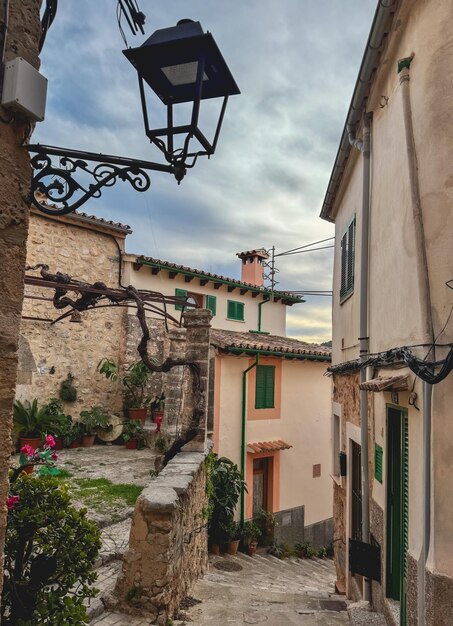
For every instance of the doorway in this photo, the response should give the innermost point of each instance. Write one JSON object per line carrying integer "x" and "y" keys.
{"x": 261, "y": 471}
{"x": 397, "y": 506}
{"x": 356, "y": 492}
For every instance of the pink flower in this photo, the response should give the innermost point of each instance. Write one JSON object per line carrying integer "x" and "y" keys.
{"x": 12, "y": 501}
{"x": 27, "y": 450}
{"x": 54, "y": 456}
{"x": 50, "y": 441}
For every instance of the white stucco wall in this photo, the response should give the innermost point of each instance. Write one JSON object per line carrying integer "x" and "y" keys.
{"x": 273, "y": 313}
{"x": 424, "y": 28}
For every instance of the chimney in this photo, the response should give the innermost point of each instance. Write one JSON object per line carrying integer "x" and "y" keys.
{"x": 253, "y": 266}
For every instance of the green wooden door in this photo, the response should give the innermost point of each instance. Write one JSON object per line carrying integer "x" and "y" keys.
{"x": 397, "y": 506}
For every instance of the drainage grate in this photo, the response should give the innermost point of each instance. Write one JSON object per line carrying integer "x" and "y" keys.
{"x": 228, "y": 566}
{"x": 332, "y": 605}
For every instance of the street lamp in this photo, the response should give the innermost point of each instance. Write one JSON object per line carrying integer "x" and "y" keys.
{"x": 181, "y": 64}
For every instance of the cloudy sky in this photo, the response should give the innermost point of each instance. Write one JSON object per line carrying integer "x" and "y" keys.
{"x": 295, "y": 62}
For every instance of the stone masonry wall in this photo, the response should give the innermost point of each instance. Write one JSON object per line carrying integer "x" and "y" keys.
{"x": 168, "y": 541}
{"x": 21, "y": 38}
{"x": 87, "y": 254}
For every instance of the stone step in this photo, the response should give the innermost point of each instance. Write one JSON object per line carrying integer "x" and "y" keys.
{"x": 107, "y": 575}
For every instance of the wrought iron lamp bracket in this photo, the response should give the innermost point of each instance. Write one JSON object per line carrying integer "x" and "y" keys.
{"x": 56, "y": 191}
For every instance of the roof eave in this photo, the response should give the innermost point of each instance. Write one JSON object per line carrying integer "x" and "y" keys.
{"x": 380, "y": 28}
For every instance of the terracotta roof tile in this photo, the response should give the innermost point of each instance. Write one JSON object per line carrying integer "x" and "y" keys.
{"x": 201, "y": 273}
{"x": 229, "y": 339}
{"x": 268, "y": 446}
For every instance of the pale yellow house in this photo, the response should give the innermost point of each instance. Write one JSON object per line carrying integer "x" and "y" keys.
{"x": 277, "y": 431}
{"x": 390, "y": 196}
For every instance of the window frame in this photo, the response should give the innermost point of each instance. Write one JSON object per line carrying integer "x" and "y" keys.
{"x": 237, "y": 304}
{"x": 347, "y": 259}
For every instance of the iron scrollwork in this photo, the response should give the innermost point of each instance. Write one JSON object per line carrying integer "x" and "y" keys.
{"x": 55, "y": 190}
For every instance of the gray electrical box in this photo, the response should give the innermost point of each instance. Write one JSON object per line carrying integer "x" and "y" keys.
{"x": 24, "y": 89}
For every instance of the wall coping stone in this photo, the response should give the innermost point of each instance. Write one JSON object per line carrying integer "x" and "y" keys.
{"x": 158, "y": 498}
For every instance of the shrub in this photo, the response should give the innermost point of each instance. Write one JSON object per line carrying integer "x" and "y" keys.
{"x": 49, "y": 551}
{"x": 68, "y": 392}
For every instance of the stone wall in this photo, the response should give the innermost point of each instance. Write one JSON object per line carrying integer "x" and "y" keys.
{"x": 22, "y": 37}
{"x": 168, "y": 541}
{"x": 88, "y": 252}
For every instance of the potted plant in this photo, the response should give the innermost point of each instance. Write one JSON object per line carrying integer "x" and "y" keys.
{"x": 96, "y": 417}
{"x": 234, "y": 534}
{"x": 157, "y": 407}
{"x": 134, "y": 382}
{"x": 68, "y": 392}
{"x": 30, "y": 422}
{"x": 133, "y": 435}
{"x": 61, "y": 423}
{"x": 251, "y": 533}
{"x": 73, "y": 437}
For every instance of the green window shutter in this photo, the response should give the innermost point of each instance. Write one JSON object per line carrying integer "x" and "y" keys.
{"x": 180, "y": 293}
{"x": 235, "y": 310}
{"x": 348, "y": 259}
{"x": 211, "y": 304}
{"x": 264, "y": 387}
{"x": 378, "y": 453}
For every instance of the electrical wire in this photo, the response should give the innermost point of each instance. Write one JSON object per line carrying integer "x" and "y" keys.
{"x": 133, "y": 16}
{"x": 307, "y": 245}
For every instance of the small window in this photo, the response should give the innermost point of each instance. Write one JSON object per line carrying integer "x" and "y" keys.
{"x": 317, "y": 470}
{"x": 180, "y": 293}
{"x": 264, "y": 387}
{"x": 378, "y": 453}
{"x": 211, "y": 304}
{"x": 347, "y": 261}
{"x": 235, "y": 310}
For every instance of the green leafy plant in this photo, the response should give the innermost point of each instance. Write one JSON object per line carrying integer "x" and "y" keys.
{"x": 68, "y": 392}
{"x": 133, "y": 594}
{"x": 60, "y": 423}
{"x": 233, "y": 531}
{"x": 305, "y": 550}
{"x": 74, "y": 433}
{"x": 134, "y": 382}
{"x": 251, "y": 531}
{"x": 29, "y": 420}
{"x": 322, "y": 553}
{"x": 50, "y": 549}
{"x": 161, "y": 444}
{"x": 133, "y": 429}
{"x": 43, "y": 458}
{"x": 224, "y": 486}
{"x": 158, "y": 403}
{"x": 97, "y": 417}
{"x": 276, "y": 549}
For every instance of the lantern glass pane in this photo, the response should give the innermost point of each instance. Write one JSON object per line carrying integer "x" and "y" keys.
{"x": 183, "y": 74}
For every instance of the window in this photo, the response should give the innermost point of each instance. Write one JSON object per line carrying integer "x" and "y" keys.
{"x": 209, "y": 302}
{"x": 378, "y": 453}
{"x": 264, "y": 387}
{"x": 347, "y": 260}
{"x": 180, "y": 293}
{"x": 235, "y": 310}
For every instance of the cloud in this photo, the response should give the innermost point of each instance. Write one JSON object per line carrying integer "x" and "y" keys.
{"x": 295, "y": 62}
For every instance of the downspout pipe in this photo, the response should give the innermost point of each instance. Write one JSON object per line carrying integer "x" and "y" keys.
{"x": 243, "y": 423}
{"x": 427, "y": 322}
{"x": 364, "y": 145}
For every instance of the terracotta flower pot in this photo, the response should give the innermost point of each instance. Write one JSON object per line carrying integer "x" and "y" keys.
{"x": 252, "y": 548}
{"x": 131, "y": 444}
{"x": 29, "y": 469}
{"x": 75, "y": 444}
{"x": 215, "y": 548}
{"x": 138, "y": 414}
{"x": 88, "y": 441}
{"x": 58, "y": 443}
{"x": 158, "y": 414}
{"x": 233, "y": 546}
{"x": 33, "y": 442}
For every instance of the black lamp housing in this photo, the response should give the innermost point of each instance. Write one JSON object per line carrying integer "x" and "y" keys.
{"x": 182, "y": 64}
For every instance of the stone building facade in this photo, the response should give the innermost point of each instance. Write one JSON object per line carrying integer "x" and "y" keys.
{"x": 88, "y": 249}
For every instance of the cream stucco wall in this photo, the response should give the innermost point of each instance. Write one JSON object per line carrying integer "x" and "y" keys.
{"x": 304, "y": 423}
{"x": 273, "y": 313}
{"x": 421, "y": 27}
